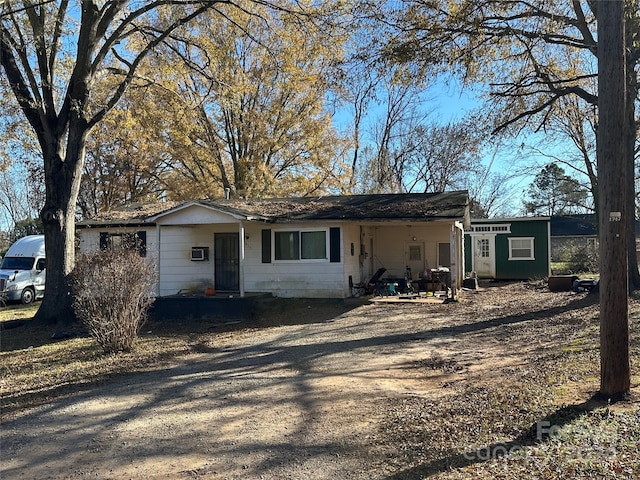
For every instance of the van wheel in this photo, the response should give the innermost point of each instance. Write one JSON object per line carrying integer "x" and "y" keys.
{"x": 28, "y": 296}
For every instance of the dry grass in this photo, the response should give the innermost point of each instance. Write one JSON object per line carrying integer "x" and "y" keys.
{"x": 535, "y": 420}
{"x": 34, "y": 367}
{"x": 18, "y": 311}
{"x": 530, "y": 420}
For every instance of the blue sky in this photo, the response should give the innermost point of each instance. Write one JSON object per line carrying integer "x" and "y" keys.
{"x": 520, "y": 156}
{"x": 448, "y": 101}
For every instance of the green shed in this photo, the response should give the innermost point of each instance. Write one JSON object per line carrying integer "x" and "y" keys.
{"x": 508, "y": 248}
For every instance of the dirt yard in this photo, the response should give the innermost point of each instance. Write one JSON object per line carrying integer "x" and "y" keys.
{"x": 310, "y": 400}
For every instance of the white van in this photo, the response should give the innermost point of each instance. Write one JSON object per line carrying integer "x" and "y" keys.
{"x": 22, "y": 272}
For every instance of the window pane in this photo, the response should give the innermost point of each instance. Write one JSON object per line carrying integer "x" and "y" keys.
{"x": 287, "y": 245}
{"x": 444, "y": 254}
{"x": 314, "y": 244}
{"x": 415, "y": 253}
{"x": 521, "y": 248}
{"x": 483, "y": 247}
{"x": 520, "y": 243}
{"x": 116, "y": 241}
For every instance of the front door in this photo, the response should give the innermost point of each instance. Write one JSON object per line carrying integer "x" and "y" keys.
{"x": 484, "y": 260}
{"x": 414, "y": 258}
{"x": 227, "y": 261}
{"x": 444, "y": 254}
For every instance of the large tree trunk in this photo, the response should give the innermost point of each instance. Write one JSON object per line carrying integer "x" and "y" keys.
{"x": 632, "y": 137}
{"x": 62, "y": 179}
{"x": 615, "y": 372}
{"x": 37, "y": 54}
{"x": 634, "y": 274}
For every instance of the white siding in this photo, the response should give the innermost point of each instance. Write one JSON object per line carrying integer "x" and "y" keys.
{"x": 177, "y": 271}
{"x": 384, "y": 245}
{"x": 89, "y": 238}
{"x": 352, "y": 266}
{"x": 296, "y": 278}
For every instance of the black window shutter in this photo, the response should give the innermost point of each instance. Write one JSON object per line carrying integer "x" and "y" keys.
{"x": 266, "y": 245}
{"x": 334, "y": 244}
{"x": 142, "y": 243}
{"x": 104, "y": 240}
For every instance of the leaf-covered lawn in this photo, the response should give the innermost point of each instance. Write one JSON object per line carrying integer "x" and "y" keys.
{"x": 530, "y": 418}
{"x": 535, "y": 420}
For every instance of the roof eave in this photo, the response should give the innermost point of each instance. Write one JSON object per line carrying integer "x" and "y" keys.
{"x": 234, "y": 215}
{"x": 114, "y": 224}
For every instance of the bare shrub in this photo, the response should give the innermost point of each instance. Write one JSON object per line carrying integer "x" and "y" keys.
{"x": 112, "y": 290}
{"x": 579, "y": 258}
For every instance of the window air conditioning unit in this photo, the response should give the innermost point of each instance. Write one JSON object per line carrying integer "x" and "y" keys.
{"x": 199, "y": 254}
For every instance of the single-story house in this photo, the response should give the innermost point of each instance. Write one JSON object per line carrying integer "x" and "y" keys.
{"x": 289, "y": 247}
{"x": 508, "y": 248}
{"x": 579, "y": 230}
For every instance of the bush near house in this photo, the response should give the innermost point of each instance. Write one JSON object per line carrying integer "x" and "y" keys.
{"x": 576, "y": 258}
{"x": 112, "y": 290}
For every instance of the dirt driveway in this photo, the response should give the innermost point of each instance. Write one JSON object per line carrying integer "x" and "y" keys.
{"x": 301, "y": 401}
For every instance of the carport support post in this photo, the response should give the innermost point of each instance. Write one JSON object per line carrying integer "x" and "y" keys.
{"x": 456, "y": 253}
{"x": 615, "y": 376}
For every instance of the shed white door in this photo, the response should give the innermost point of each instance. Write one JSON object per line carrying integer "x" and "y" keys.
{"x": 484, "y": 258}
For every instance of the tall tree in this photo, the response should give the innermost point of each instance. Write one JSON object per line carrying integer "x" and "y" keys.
{"x": 357, "y": 92}
{"x": 126, "y": 157}
{"x": 569, "y": 141}
{"x": 552, "y": 192}
{"x": 24, "y": 227}
{"x": 530, "y": 55}
{"x": 21, "y": 192}
{"x": 54, "y": 56}
{"x": 381, "y": 152}
{"x": 444, "y": 156}
{"x": 249, "y": 105}
{"x": 21, "y": 188}
{"x": 615, "y": 375}
{"x": 391, "y": 135}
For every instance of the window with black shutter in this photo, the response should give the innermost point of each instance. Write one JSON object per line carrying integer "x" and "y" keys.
{"x": 129, "y": 241}
{"x": 334, "y": 244}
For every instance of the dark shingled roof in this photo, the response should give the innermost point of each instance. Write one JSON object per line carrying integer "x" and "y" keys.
{"x": 579, "y": 225}
{"x": 409, "y": 206}
{"x": 574, "y": 225}
{"x": 130, "y": 215}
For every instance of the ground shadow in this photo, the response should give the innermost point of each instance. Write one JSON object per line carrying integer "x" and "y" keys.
{"x": 289, "y": 357}
{"x": 539, "y": 432}
{"x": 265, "y": 312}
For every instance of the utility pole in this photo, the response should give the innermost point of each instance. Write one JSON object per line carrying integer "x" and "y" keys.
{"x": 615, "y": 375}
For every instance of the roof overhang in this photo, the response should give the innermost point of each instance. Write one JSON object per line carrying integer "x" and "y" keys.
{"x": 361, "y": 209}
{"x": 184, "y": 214}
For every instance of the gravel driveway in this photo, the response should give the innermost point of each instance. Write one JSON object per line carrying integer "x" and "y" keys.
{"x": 301, "y": 401}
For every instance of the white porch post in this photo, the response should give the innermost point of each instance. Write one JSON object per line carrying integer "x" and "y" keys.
{"x": 241, "y": 254}
{"x": 457, "y": 256}
{"x": 462, "y": 267}
{"x": 158, "y": 273}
